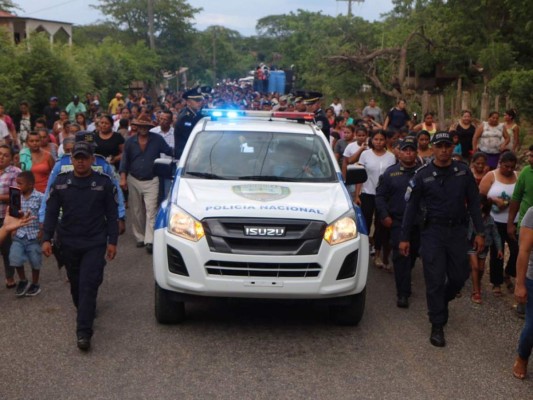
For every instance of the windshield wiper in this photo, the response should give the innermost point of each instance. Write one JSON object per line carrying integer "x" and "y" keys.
{"x": 272, "y": 178}
{"x": 205, "y": 175}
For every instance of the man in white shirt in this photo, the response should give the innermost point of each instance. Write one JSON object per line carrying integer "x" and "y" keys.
{"x": 353, "y": 151}
{"x": 166, "y": 130}
{"x": 337, "y": 106}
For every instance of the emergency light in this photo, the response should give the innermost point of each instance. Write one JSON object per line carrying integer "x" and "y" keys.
{"x": 215, "y": 114}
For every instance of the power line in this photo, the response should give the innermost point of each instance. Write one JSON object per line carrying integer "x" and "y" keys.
{"x": 51, "y": 7}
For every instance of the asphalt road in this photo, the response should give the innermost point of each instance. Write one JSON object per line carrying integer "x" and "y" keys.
{"x": 234, "y": 350}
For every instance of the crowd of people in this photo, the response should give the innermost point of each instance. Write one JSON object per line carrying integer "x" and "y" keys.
{"x": 453, "y": 198}
{"x": 464, "y": 180}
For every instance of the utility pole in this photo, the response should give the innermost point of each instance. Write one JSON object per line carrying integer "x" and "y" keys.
{"x": 215, "y": 28}
{"x": 151, "y": 24}
{"x": 350, "y": 5}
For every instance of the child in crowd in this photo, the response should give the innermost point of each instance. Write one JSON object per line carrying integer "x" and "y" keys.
{"x": 479, "y": 166}
{"x": 477, "y": 259}
{"x": 25, "y": 246}
{"x": 457, "y": 148}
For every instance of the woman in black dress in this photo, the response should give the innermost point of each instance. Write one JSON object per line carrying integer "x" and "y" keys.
{"x": 109, "y": 144}
{"x": 465, "y": 129}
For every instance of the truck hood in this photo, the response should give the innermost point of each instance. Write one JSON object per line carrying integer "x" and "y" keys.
{"x": 317, "y": 201}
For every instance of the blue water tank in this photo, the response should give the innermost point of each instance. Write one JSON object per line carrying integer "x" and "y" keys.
{"x": 276, "y": 82}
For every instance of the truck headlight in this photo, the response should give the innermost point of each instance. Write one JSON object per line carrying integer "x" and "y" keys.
{"x": 340, "y": 231}
{"x": 185, "y": 226}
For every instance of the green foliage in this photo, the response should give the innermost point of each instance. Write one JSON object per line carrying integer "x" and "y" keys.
{"x": 305, "y": 40}
{"x": 35, "y": 70}
{"x": 8, "y": 5}
{"x": 519, "y": 86}
{"x": 112, "y": 66}
{"x": 173, "y": 31}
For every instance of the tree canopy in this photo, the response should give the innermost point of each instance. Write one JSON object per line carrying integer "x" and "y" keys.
{"x": 486, "y": 43}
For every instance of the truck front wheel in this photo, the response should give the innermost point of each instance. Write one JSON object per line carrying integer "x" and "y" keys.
{"x": 350, "y": 313}
{"x": 167, "y": 310}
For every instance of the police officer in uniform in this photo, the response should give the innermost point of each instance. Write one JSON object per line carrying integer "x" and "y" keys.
{"x": 390, "y": 204}
{"x": 100, "y": 165}
{"x": 88, "y": 232}
{"x": 188, "y": 117}
{"x": 314, "y": 105}
{"x": 450, "y": 195}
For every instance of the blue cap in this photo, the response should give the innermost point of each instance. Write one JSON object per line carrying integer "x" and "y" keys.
{"x": 83, "y": 148}
{"x": 409, "y": 141}
{"x": 442, "y": 137}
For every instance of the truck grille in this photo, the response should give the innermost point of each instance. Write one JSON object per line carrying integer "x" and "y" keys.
{"x": 274, "y": 270}
{"x": 226, "y": 235}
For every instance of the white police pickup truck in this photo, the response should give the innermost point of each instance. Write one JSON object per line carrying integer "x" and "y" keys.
{"x": 259, "y": 209}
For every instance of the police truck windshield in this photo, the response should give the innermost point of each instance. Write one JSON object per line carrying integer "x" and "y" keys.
{"x": 259, "y": 156}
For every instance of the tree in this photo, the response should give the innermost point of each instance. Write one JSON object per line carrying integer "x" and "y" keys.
{"x": 519, "y": 86}
{"x": 172, "y": 28}
{"x": 221, "y": 54}
{"x": 30, "y": 72}
{"x": 307, "y": 40}
{"x": 8, "y": 5}
{"x": 112, "y": 66}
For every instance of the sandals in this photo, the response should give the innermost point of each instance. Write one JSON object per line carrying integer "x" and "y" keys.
{"x": 10, "y": 285}
{"x": 509, "y": 284}
{"x": 497, "y": 291}
{"x": 520, "y": 368}
{"x": 476, "y": 298}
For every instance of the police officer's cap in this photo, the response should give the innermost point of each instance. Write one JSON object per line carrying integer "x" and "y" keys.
{"x": 195, "y": 94}
{"x": 299, "y": 96}
{"x": 206, "y": 89}
{"x": 311, "y": 97}
{"x": 85, "y": 136}
{"x": 442, "y": 137}
{"x": 83, "y": 148}
{"x": 407, "y": 142}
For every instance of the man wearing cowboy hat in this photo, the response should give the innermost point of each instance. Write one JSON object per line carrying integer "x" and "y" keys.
{"x": 136, "y": 175}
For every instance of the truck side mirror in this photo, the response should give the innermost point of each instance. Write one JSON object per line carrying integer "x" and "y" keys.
{"x": 164, "y": 168}
{"x": 355, "y": 174}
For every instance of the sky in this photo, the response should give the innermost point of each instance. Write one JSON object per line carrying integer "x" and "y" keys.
{"x": 239, "y": 15}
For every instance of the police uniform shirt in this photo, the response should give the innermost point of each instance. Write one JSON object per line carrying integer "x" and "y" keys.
{"x": 448, "y": 193}
{"x": 64, "y": 164}
{"x": 186, "y": 122}
{"x": 89, "y": 210}
{"x": 322, "y": 122}
{"x": 390, "y": 192}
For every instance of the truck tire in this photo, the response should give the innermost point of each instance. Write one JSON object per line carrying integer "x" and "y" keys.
{"x": 349, "y": 314}
{"x": 167, "y": 310}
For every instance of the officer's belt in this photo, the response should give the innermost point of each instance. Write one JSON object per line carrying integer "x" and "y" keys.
{"x": 446, "y": 221}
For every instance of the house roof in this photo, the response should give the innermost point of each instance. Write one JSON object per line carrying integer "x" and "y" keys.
{"x": 7, "y": 15}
